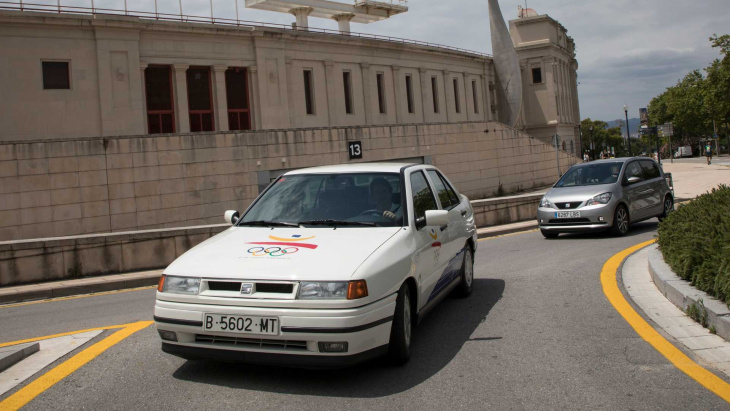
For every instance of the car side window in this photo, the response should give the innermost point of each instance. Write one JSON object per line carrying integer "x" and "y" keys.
{"x": 651, "y": 170}
{"x": 634, "y": 170}
{"x": 423, "y": 198}
{"x": 446, "y": 194}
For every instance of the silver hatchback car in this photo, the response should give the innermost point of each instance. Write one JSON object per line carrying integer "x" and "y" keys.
{"x": 605, "y": 195}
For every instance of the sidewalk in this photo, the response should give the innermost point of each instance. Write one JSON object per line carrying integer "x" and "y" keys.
{"x": 693, "y": 177}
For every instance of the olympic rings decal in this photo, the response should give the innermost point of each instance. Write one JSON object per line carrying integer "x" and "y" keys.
{"x": 272, "y": 251}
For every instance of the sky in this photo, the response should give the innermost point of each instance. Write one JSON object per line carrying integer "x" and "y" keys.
{"x": 628, "y": 51}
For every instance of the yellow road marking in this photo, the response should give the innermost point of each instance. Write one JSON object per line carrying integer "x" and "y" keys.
{"x": 74, "y": 297}
{"x": 649, "y": 334}
{"x": 47, "y": 380}
{"x": 48, "y": 337}
{"x": 508, "y": 235}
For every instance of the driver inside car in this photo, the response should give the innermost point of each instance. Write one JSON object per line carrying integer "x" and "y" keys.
{"x": 381, "y": 194}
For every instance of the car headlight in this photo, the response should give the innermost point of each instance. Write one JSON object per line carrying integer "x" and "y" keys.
{"x": 352, "y": 290}
{"x": 599, "y": 199}
{"x": 179, "y": 285}
{"x": 544, "y": 203}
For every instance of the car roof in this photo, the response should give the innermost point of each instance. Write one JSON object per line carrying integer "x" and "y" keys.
{"x": 354, "y": 168}
{"x": 615, "y": 160}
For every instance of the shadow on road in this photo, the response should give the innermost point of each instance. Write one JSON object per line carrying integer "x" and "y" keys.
{"x": 634, "y": 230}
{"x": 436, "y": 341}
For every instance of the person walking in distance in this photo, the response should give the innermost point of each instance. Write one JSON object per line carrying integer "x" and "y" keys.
{"x": 708, "y": 153}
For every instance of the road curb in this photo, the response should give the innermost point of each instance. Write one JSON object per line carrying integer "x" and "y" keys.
{"x": 80, "y": 286}
{"x": 507, "y": 230}
{"x": 683, "y": 295}
{"x": 13, "y": 354}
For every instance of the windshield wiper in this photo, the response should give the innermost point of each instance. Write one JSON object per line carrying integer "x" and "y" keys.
{"x": 268, "y": 224}
{"x": 337, "y": 222}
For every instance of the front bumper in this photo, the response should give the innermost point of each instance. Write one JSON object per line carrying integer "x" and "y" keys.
{"x": 365, "y": 329}
{"x": 592, "y": 218}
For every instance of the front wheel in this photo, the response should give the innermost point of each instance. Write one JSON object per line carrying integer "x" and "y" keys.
{"x": 464, "y": 288}
{"x": 668, "y": 208}
{"x": 399, "y": 348}
{"x": 549, "y": 234}
{"x": 620, "y": 221}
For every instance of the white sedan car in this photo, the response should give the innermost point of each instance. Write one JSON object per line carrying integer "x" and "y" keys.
{"x": 329, "y": 267}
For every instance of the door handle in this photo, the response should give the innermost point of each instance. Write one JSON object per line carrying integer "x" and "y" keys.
{"x": 443, "y": 227}
{"x": 463, "y": 213}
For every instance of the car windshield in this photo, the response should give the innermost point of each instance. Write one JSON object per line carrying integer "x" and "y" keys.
{"x": 357, "y": 199}
{"x": 591, "y": 174}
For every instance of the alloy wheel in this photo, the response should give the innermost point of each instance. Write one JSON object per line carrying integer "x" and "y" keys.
{"x": 622, "y": 220}
{"x": 407, "y": 319}
{"x": 468, "y": 269}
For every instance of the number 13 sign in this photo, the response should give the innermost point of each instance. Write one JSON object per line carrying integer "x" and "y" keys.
{"x": 355, "y": 150}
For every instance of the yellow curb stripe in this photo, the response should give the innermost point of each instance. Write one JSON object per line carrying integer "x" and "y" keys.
{"x": 47, "y": 380}
{"x": 47, "y": 337}
{"x": 649, "y": 334}
{"x": 74, "y": 297}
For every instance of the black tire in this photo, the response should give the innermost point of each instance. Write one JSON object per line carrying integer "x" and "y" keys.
{"x": 549, "y": 234}
{"x": 399, "y": 348}
{"x": 464, "y": 288}
{"x": 668, "y": 207}
{"x": 620, "y": 221}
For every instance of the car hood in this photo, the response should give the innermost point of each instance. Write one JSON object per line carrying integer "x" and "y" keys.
{"x": 582, "y": 193}
{"x": 319, "y": 254}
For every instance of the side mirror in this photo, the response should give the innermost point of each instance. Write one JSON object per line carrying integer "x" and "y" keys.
{"x": 634, "y": 180}
{"x": 231, "y": 216}
{"x": 437, "y": 218}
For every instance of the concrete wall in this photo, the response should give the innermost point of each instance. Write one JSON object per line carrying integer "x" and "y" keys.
{"x": 95, "y": 185}
{"x": 29, "y": 261}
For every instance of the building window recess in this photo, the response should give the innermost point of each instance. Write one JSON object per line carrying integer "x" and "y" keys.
{"x": 380, "y": 79}
{"x": 239, "y": 109}
{"x": 409, "y": 94}
{"x": 309, "y": 91}
{"x": 200, "y": 99}
{"x": 536, "y": 75}
{"x": 475, "y": 96}
{"x": 56, "y": 75}
{"x": 435, "y": 93}
{"x": 347, "y": 83}
{"x": 160, "y": 107}
{"x": 457, "y": 99}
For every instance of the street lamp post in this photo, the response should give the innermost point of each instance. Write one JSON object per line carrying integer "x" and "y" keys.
{"x": 628, "y": 132}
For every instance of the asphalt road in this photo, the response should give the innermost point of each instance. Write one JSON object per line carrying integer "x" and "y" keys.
{"x": 537, "y": 333}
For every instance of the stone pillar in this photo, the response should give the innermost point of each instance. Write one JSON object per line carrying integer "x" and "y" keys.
{"x": 485, "y": 108}
{"x": 550, "y": 80}
{"x": 290, "y": 87}
{"x": 446, "y": 98}
{"x": 333, "y": 111}
{"x": 422, "y": 73}
{"x": 397, "y": 93}
{"x": 367, "y": 92}
{"x": 181, "y": 98}
{"x": 220, "y": 109}
{"x": 343, "y": 22}
{"x": 255, "y": 103}
{"x": 302, "y": 15}
{"x": 142, "y": 68}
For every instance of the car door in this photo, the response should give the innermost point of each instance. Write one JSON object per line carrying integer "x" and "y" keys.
{"x": 427, "y": 259}
{"x": 654, "y": 182}
{"x": 449, "y": 201}
{"x": 636, "y": 193}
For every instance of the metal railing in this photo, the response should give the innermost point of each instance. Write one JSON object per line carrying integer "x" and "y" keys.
{"x": 59, "y": 8}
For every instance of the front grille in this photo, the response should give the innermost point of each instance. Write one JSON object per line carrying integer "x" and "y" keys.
{"x": 563, "y": 221}
{"x": 224, "y": 286}
{"x": 252, "y": 342}
{"x": 275, "y": 288}
{"x": 568, "y": 206}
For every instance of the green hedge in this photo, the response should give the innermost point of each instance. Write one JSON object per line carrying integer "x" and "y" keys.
{"x": 695, "y": 242}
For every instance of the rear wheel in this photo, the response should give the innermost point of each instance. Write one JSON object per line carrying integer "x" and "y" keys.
{"x": 668, "y": 207}
{"x": 620, "y": 221}
{"x": 467, "y": 275}
{"x": 549, "y": 234}
{"x": 399, "y": 348}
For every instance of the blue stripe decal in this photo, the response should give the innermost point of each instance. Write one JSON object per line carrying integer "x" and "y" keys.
{"x": 451, "y": 271}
